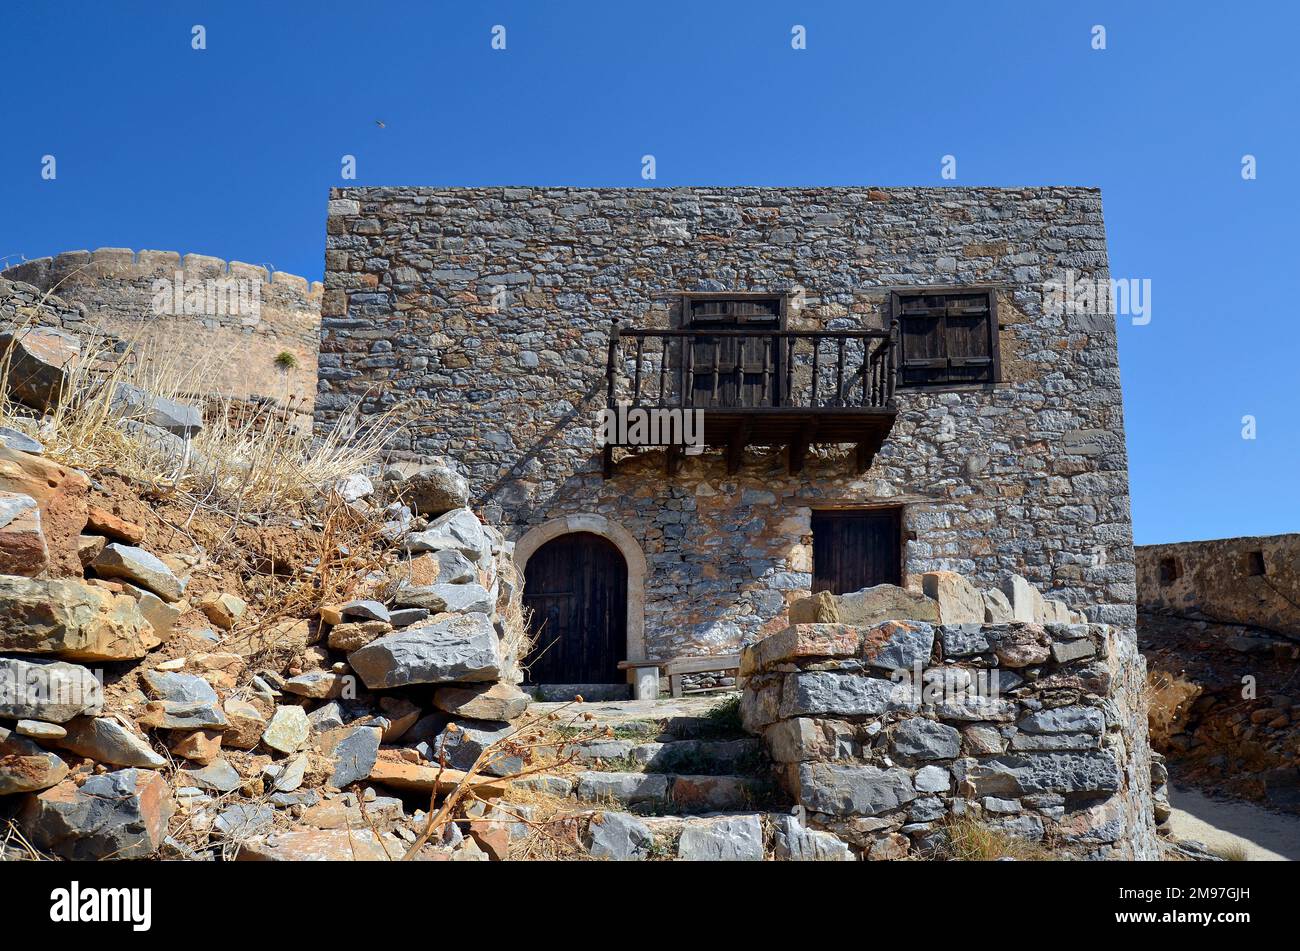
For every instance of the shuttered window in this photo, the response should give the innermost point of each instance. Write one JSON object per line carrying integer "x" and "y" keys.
{"x": 946, "y": 337}
{"x": 733, "y": 309}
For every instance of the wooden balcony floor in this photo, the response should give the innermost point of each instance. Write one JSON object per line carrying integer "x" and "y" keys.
{"x": 733, "y": 429}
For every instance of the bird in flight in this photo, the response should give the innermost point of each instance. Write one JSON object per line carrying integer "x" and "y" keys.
{"x": 380, "y": 123}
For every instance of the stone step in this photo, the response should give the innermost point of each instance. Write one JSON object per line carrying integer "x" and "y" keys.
{"x": 743, "y": 836}
{"x": 566, "y": 693}
{"x": 659, "y": 793}
{"x": 663, "y": 720}
{"x": 700, "y": 757}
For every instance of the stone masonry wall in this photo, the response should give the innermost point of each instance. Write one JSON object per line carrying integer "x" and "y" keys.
{"x": 489, "y": 309}
{"x": 1035, "y": 730}
{"x": 1253, "y": 581}
{"x": 235, "y": 352}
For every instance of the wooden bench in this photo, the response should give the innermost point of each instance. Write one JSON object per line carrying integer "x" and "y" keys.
{"x": 644, "y": 674}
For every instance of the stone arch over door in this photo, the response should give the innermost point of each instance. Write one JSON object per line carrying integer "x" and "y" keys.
{"x": 622, "y": 539}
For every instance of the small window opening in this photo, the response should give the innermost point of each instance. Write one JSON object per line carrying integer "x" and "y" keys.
{"x": 1169, "y": 571}
{"x": 1255, "y": 564}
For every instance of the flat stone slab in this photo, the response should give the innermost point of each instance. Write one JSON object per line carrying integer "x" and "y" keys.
{"x": 462, "y": 649}
{"x": 724, "y": 839}
{"x": 138, "y": 566}
{"x": 324, "y": 845}
{"x": 629, "y": 788}
{"x": 46, "y": 690}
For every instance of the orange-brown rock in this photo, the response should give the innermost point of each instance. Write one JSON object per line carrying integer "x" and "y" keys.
{"x": 419, "y": 778}
{"x": 22, "y": 543}
{"x": 103, "y": 522}
{"x": 201, "y": 746}
{"x": 60, "y": 494}
{"x": 72, "y": 620}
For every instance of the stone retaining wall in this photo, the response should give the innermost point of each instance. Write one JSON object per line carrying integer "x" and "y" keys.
{"x": 1036, "y": 730}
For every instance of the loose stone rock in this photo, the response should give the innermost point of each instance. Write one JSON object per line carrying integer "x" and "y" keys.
{"x": 119, "y": 815}
{"x": 464, "y": 648}
{"x": 218, "y": 776}
{"x": 139, "y": 566}
{"x": 353, "y": 750}
{"x": 435, "y": 489}
{"x": 107, "y": 741}
{"x": 52, "y": 691}
{"x": 364, "y": 611}
{"x": 26, "y": 767}
{"x": 39, "y": 730}
{"x": 71, "y": 619}
{"x": 223, "y": 610}
{"x": 179, "y": 688}
{"x": 288, "y": 730}
{"x": 448, "y": 598}
{"x": 497, "y": 701}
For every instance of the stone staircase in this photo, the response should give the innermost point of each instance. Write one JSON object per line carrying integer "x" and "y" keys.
{"x": 677, "y": 780}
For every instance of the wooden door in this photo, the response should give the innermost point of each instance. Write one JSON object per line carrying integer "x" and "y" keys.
{"x": 855, "y": 549}
{"x": 576, "y": 588}
{"x": 731, "y": 371}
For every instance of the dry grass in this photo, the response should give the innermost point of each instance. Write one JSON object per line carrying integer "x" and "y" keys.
{"x": 533, "y": 741}
{"x": 1169, "y": 699}
{"x": 517, "y": 643}
{"x": 1233, "y": 852}
{"x": 973, "y": 840}
{"x": 242, "y": 463}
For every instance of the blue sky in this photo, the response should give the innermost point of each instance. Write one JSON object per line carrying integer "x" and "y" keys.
{"x": 230, "y": 151}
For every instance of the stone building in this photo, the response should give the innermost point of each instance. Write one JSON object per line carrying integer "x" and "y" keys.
{"x": 229, "y": 328}
{"x": 886, "y": 381}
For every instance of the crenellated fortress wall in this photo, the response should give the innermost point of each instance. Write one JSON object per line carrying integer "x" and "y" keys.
{"x": 231, "y": 321}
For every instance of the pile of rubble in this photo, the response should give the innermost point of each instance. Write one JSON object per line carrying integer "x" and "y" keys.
{"x": 1225, "y": 708}
{"x": 139, "y": 719}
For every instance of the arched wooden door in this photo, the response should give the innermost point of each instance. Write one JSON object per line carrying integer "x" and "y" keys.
{"x": 576, "y": 587}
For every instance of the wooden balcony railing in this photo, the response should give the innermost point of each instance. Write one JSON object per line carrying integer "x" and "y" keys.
{"x": 761, "y": 386}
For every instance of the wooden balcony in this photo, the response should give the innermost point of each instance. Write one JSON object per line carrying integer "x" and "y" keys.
{"x": 761, "y": 387}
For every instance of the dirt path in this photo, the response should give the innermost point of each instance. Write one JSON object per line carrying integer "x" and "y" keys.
{"x": 1265, "y": 836}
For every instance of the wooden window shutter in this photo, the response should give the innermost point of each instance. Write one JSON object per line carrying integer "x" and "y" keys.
{"x": 947, "y": 337}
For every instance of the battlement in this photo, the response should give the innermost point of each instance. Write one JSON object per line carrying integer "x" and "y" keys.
{"x": 126, "y": 264}
{"x": 255, "y": 330}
